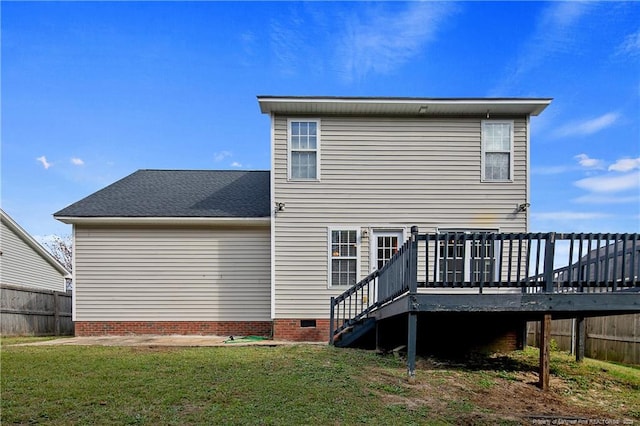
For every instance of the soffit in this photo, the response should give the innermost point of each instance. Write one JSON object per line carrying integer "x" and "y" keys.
{"x": 402, "y": 106}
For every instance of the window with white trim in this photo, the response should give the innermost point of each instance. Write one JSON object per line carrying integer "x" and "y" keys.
{"x": 343, "y": 257}
{"x": 497, "y": 151}
{"x": 304, "y": 143}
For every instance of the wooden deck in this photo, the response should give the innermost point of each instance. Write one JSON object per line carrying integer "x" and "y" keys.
{"x": 535, "y": 277}
{"x": 559, "y": 305}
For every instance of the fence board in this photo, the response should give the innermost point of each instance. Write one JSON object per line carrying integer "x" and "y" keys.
{"x": 612, "y": 338}
{"x": 35, "y": 312}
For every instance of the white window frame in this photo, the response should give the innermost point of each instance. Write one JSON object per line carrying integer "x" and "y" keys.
{"x": 382, "y": 232}
{"x": 330, "y": 257}
{"x": 290, "y": 150}
{"x": 485, "y": 151}
{"x": 467, "y": 251}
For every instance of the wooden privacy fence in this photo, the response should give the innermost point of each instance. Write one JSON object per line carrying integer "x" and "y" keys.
{"x": 34, "y": 312}
{"x": 612, "y": 338}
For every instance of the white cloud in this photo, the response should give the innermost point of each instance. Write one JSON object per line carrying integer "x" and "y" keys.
{"x": 568, "y": 215}
{"x": 77, "y": 161}
{"x": 236, "y": 164}
{"x": 550, "y": 170}
{"x": 606, "y": 199}
{"x": 625, "y": 165}
{"x": 555, "y": 31}
{"x": 44, "y": 162}
{"x": 376, "y": 38}
{"x": 631, "y": 45}
{"x": 221, "y": 155}
{"x": 384, "y": 40}
{"x": 287, "y": 44}
{"x": 589, "y": 163}
{"x": 610, "y": 184}
{"x": 588, "y": 127}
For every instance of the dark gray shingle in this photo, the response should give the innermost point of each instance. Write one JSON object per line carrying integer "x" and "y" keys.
{"x": 179, "y": 193}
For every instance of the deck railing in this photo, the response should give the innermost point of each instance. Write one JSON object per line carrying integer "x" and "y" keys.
{"x": 485, "y": 262}
{"x": 377, "y": 289}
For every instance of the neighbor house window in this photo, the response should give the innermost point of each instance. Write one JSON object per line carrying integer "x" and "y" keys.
{"x": 497, "y": 151}
{"x": 304, "y": 143}
{"x": 343, "y": 257}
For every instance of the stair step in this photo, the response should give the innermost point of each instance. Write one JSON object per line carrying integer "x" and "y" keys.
{"x": 354, "y": 332}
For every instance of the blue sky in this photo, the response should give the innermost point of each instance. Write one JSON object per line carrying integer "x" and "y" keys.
{"x": 93, "y": 91}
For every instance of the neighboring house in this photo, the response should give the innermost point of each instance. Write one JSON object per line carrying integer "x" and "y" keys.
{"x": 612, "y": 262}
{"x": 262, "y": 252}
{"x": 24, "y": 262}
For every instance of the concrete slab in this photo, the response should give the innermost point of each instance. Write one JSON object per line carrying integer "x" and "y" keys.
{"x": 153, "y": 340}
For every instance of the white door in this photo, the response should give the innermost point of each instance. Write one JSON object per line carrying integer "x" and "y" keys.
{"x": 384, "y": 245}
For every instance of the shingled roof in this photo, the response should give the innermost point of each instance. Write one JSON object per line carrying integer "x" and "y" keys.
{"x": 180, "y": 194}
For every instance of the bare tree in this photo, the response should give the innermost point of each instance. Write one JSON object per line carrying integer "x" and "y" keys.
{"x": 62, "y": 249}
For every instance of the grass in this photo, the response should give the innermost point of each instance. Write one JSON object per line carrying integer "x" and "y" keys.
{"x": 302, "y": 384}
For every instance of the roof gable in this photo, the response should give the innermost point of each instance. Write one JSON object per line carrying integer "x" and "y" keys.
{"x": 179, "y": 194}
{"x": 14, "y": 227}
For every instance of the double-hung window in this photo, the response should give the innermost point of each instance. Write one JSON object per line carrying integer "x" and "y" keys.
{"x": 497, "y": 151}
{"x": 304, "y": 149}
{"x": 343, "y": 257}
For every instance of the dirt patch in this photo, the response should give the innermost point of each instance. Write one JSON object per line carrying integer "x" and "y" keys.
{"x": 494, "y": 390}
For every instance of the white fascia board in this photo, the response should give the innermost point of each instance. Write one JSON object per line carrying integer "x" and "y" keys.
{"x": 231, "y": 221}
{"x": 284, "y": 104}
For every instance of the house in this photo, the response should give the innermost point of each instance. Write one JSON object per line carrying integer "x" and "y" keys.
{"x": 174, "y": 252}
{"x": 263, "y": 252}
{"x": 24, "y": 262}
{"x": 608, "y": 259}
{"x": 612, "y": 260}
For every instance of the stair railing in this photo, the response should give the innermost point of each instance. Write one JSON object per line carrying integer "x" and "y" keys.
{"x": 381, "y": 286}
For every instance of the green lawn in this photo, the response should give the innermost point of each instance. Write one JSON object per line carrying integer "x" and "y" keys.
{"x": 302, "y": 384}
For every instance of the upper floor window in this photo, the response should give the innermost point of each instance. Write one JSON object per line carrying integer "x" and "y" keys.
{"x": 497, "y": 151}
{"x": 304, "y": 149}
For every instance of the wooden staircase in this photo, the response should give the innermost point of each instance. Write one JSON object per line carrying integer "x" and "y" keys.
{"x": 353, "y": 335}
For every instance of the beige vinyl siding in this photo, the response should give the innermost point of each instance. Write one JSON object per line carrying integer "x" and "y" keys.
{"x": 389, "y": 173}
{"x": 21, "y": 265}
{"x": 178, "y": 274}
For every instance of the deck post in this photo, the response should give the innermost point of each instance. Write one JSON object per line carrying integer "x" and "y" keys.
{"x": 581, "y": 335}
{"x": 332, "y": 320}
{"x": 413, "y": 261}
{"x": 545, "y": 337}
{"x": 411, "y": 346}
{"x": 549, "y": 253}
{"x": 413, "y": 315}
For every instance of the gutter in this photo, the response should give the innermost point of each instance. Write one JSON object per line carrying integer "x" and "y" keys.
{"x": 102, "y": 220}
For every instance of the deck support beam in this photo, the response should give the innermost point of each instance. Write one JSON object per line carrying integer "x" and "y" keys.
{"x": 544, "y": 345}
{"x": 411, "y": 346}
{"x": 412, "y": 276}
{"x": 581, "y": 335}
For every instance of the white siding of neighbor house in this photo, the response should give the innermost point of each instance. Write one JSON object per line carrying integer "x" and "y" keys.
{"x": 177, "y": 274}
{"x": 21, "y": 265}
{"x": 383, "y": 173}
